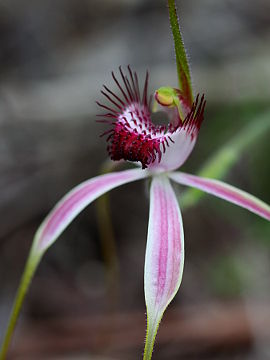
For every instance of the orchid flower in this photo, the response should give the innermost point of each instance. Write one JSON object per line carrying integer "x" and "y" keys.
{"x": 157, "y": 152}
{"x": 160, "y": 151}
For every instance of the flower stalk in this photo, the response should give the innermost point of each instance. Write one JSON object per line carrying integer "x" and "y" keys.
{"x": 183, "y": 70}
{"x": 151, "y": 333}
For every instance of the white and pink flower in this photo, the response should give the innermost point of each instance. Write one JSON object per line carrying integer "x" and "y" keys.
{"x": 160, "y": 150}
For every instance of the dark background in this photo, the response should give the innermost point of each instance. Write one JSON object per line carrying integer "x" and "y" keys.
{"x": 54, "y": 57}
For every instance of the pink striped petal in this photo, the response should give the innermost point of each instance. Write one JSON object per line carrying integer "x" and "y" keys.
{"x": 224, "y": 191}
{"x": 75, "y": 201}
{"x": 164, "y": 259}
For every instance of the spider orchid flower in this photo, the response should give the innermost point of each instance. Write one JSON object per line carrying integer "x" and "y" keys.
{"x": 159, "y": 150}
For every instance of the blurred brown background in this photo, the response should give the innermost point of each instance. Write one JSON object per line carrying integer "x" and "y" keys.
{"x": 54, "y": 57}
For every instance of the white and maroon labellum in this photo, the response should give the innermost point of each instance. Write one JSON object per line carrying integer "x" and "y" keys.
{"x": 134, "y": 137}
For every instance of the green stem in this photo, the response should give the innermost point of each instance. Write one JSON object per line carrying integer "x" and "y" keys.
{"x": 30, "y": 267}
{"x": 151, "y": 333}
{"x": 183, "y": 70}
{"x": 148, "y": 350}
{"x": 149, "y": 341}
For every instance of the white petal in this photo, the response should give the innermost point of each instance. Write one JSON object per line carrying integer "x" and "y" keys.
{"x": 164, "y": 259}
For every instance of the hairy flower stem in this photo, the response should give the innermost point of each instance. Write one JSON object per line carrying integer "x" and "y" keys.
{"x": 149, "y": 341}
{"x": 182, "y": 65}
{"x": 148, "y": 350}
{"x": 30, "y": 267}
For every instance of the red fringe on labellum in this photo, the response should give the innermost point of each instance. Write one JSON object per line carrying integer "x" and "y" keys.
{"x": 132, "y": 135}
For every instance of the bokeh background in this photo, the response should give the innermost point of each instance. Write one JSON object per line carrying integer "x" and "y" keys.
{"x": 83, "y": 303}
